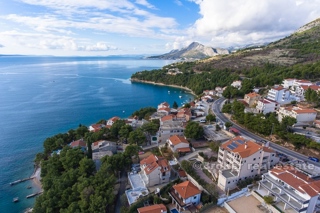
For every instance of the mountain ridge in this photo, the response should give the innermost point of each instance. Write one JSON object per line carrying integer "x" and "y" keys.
{"x": 193, "y": 51}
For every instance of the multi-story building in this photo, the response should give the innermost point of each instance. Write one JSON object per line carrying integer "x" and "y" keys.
{"x": 303, "y": 116}
{"x": 240, "y": 159}
{"x": 111, "y": 121}
{"x": 252, "y": 98}
{"x": 280, "y": 94}
{"x": 154, "y": 170}
{"x": 298, "y": 191}
{"x": 301, "y": 90}
{"x": 178, "y": 144}
{"x": 169, "y": 128}
{"x": 265, "y": 106}
{"x": 164, "y": 105}
{"x": 156, "y": 208}
{"x": 185, "y": 195}
{"x": 288, "y": 83}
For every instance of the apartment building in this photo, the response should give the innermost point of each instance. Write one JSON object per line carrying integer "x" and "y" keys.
{"x": 298, "y": 191}
{"x": 169, "y": 128}
{"x": 303, "y": 116}
{"x": 179, "y": 144}
{"x": 280, "y": 94}
{"x": 265, "y": 106}
{"x": 240, "y": 159}
{"x": 154, "y": 170}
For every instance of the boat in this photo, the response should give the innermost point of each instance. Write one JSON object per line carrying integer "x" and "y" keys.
{"x": 29, "y": 187}
{"x": 16, "y": 199}
{"x": 180, "y": 96}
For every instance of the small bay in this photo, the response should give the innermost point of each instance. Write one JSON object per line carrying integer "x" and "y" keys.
{"x": 43, "y": 96}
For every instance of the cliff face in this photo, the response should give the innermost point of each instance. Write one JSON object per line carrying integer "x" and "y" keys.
{"x": 194, "y": 51}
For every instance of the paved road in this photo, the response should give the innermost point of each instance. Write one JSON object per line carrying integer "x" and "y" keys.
{"x": 216, "y": 108}
{"x": 122, "y": 189}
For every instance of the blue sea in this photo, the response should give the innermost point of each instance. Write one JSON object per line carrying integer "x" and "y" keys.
{"x": 43, "y": 96}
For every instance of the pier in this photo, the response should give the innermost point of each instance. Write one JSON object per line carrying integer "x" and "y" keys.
{"x": 21, "y": 180}
{"x": 34, "y": 194}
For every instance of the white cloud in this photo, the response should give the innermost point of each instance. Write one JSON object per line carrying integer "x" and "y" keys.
{"x": 249, "y": 21}
{"x": 1, "y": 46}
{"x": 54, "y": 42}
{"x": 178, "y": 43}
{"x": 178, "y": 2}
{"x": 145, "y": 3}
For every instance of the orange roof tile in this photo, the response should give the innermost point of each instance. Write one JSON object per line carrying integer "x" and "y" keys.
{"x": 182, "y": 173}
{"x": 167, "y": 118}
{"x": 186, "y": 189}
{"x": 115, "y": 118}
{"x": 297, "y": 180}
{"x": 156, "y": 208}
{"x": 246, "y": 149}
{"x": 186, "y": 149}
{"x": 97, "y": 142}
{"x": 252, "y": 94}
{"x": 175, "y": 139}
{"x": 303, "y": 110}
{"x": 152, "y": 162}
{"x": 79, "y": 143}
{"x": 278, "y": 88}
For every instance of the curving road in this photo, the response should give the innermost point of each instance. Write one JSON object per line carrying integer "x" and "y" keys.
{"x": 216, "y": 108}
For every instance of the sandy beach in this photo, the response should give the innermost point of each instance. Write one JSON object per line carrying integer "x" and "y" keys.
{"x": 161, "y": 84}
{"x": 37, "y": 178}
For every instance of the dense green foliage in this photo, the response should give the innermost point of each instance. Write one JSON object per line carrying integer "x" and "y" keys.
{"x": 269, "y": 124}
{"x": 144, "y": 112}
{"x": 193, "y": 130}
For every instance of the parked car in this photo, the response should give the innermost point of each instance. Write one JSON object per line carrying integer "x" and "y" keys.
{"x": 202, "y": 121}
{"x": 313, "y": 159}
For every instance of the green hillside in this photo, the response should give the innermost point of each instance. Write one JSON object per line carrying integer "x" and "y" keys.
{"x": 296, "y": 56}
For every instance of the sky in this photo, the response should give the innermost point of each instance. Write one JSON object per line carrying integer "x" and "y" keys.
{"x": 148, "y": 27}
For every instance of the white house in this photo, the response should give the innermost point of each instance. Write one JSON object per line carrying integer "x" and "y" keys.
{"x": 164, "y": 105}
{"x": 288, "y": 83}
{"x": 301, "y": 90}
{"x": 296, "y": 190}
{"x": 156, "y": 208}
{"x": 111, "y": 121}
{"x": 96, "y": 127}
{"x": 170, "y": 127}
{"x": 179, "y": 144}
{"x": 302, "y": 115}
{"x": 154, "y": 170}
{"x": 236, "y": 84}
{"x": 265, "y": 106}
{"x": 240, "y": 159}
{"x": 185, "y": 195}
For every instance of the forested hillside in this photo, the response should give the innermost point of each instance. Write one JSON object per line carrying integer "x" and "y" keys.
{"x": 296, "y": 56}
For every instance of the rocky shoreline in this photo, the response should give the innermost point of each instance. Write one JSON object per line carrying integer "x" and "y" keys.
{"x": 162, "y": 84}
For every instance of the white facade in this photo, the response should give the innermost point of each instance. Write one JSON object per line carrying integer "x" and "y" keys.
{"x": 170, "y": 128}
{"x": 303, "y": 116}
{"x": 111, "y": 121}
{"x": 236, "y": 84}
{"x": 247, "y": 160}
{"x": 287, "y": 83}
{"x": 297, "y": 191}
{"x": 265, "y": 106}
{"x": 178, "y": 142}
{"x": 280, "y": 95}
{"x": 154, "y": 170}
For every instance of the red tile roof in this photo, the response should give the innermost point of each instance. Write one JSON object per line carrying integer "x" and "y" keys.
{"x": 78, "y": 143}
{"x": 186, "y": 149}
{"x": 182, "y": 173}
{"x": 278, "y": 88}
{"x": 168, "y": 118}
{"x": 297, "y": 180}
{"x": 156, "y": 208}
{"x": 252, "y": 95}
{"x": 114, "y": 119}
{"x": 175, "y": 139}
{"x": 245, "y": 149}
{"x": 186, "y": 189}
{"x": 152, "y": 162}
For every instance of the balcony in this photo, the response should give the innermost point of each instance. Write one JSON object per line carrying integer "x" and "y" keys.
{"x": 285, "y": 189}
{"x": 176, "y": 197}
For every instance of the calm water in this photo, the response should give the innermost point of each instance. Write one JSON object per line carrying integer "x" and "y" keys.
{"x": 42, "y": 96}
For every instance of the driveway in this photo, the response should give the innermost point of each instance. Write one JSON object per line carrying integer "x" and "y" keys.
{"x": 123, "y": 183}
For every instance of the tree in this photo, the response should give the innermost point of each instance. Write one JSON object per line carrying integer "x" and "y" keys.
{"x": 175, "y": 105}
{"x": 193, "y": 130}
{"x": 218, "y": 128}
{"x": 187, "y": 105}
{"x": 268, "y": 199}
{"x": 125, "y": 131}
{"x": 137, "y": 137}
{"x": 228, "y": 124}
{"x": 210, "y": 118}
{"x": 131, "y": 150}
{"x": 116, "y": 126}
{"x": 214, "y": 146}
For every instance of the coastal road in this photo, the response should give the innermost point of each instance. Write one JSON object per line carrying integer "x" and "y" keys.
{"x": 216, "y": 108}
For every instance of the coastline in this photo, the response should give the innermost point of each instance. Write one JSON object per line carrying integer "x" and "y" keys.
{"x": 162, "y": 84}
{"x": 37, "y": 178}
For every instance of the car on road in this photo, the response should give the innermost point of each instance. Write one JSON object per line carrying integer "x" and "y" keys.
{"x": 313, "y": 159}
{"x": 202, "y": 121}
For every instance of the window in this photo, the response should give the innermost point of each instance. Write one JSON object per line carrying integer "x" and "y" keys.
{"x": 271, "y": 160}
{"x": 251, "y": 170}
{"x": 228, "y": 182}
{"x": 195, "y": 197}
{"x": 254, "y": 158}
{"x": 272, "y": 155}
